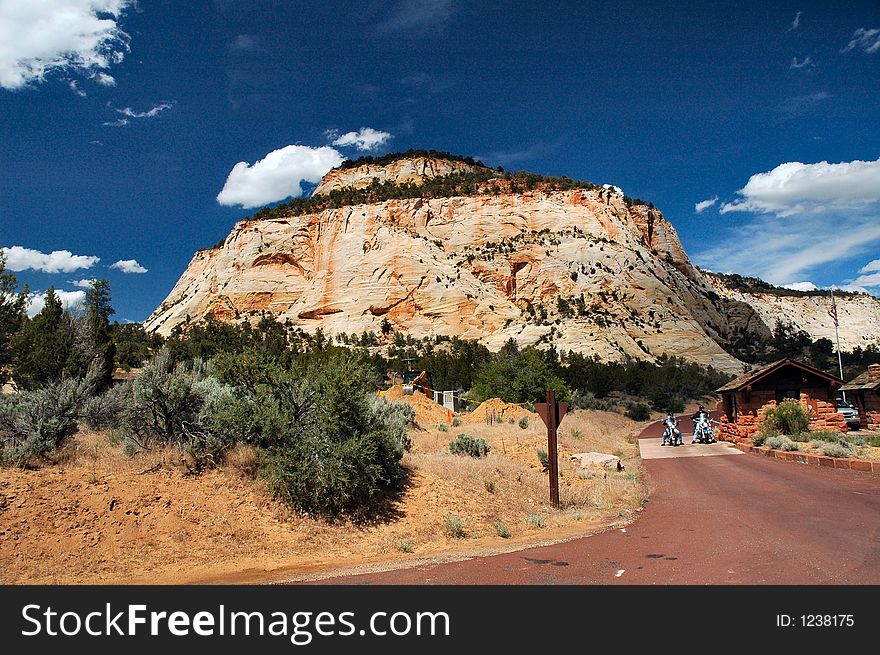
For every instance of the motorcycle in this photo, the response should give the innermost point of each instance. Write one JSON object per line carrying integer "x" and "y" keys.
{"x": 703, "y": 432}
{"x": 671, "y": 433}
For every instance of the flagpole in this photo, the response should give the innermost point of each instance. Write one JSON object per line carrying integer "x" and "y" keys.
{"x": 837, "y": 338}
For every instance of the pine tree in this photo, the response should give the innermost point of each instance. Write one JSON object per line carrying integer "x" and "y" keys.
{"x": 42, "y": 348}
{"x": 11, "y": 316}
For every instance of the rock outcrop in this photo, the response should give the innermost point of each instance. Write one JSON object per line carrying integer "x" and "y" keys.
{"x": 578, "y": 269}
{"x": 413, "y": 170}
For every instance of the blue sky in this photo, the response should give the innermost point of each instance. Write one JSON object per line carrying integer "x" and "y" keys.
{"x": 118, "y": 130}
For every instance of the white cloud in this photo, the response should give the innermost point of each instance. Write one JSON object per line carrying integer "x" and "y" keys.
{"x": 871, "y": 267}
{"x": 364, "y": 139}
{"x": 57, "y": 261}
{"x": 703, "y": 205}
{"x": 868, "y": 41}
{"x": 796, "y": 188}
{"x": 105, "y": 80}
{"x": 75, "y": 88}
{"x": 800, "y": 64}
{"x": 69, "y": 300}
{"x": 804, "y": 216}
{"x": 870, "y": 276}
{"x": 85, "y": 283}
{"x": 416, "y": 16}
{"x": 277, "y": 176}
{"x": 799, "y": 105}
{"x": 244, "y": 43}
{"x": 801, "y": 286}
{"x": 128, "y": 113}
{"x": 796, "y": 22}
{"x": 128, "y": 266}
{"x": 783, "y": 250}
{"x": 41, "y": 36}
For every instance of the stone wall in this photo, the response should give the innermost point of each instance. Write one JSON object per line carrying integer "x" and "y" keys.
{"x": 823, "y": 414}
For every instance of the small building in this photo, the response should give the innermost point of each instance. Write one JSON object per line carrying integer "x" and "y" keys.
{"x": 745, "y": 399}
{"x": 866, "y": 391}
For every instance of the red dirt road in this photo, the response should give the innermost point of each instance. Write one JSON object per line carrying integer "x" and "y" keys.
{"x": 711, "y": 520}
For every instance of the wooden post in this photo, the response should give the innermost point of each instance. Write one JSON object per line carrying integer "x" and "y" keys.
{"x": 552, "y": 413}
{"x": 551, "y": 447}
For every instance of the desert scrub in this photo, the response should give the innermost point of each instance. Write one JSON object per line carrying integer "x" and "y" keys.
{"x": 823, "y": 435}
{"x": 835, "y": 449}
{"x": 639, "y": 412}
{"x": 489, "y": 485}
{"x": 456, "y": 422}
{"x": 443, "y": 427}
{"x": 536, "y": 520}
{"x": 781, "y": 443}
{"x": 523, "y": 422}
{"x": 788, "y": 417}
{"x": 501, "y": 529}
{"x": 511, "y": 420}
{"x": 34, "y": 423}
{"x": 465, "y": 444}
{"x": 405, "y": 546}
{"x": 455, "y": 527}
{"x": 543, "y": 458}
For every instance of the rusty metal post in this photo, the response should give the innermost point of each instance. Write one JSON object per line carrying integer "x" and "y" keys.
{"x": 552, "y": 424}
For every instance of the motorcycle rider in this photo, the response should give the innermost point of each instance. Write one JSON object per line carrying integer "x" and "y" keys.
{"x": 702, "y": 431}
{"x": 671, "y": 433}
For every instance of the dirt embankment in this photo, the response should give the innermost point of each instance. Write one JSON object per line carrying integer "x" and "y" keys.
{"x": 97, "y": 516}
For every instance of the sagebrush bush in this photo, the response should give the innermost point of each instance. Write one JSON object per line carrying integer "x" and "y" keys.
{"x": 824, "y": 435}
{"x": 36, "y": 422}
{"x": 760, "y": 437}
{"x": 443, "y": 427}
{"x": 456, "y": 422}
{"x": 523, "y": 422}
{"x": 536, "y": 520}
{"x": 639, "y": 412}
{"x": 455, "y": 527}
{"x": 339, "y": 448}
{"x": 106, "y": 410}
{"x": 788, "y": 417}
{"x": 543, "y": 457}
{"x": 465, "y": 444}
{"x": 835, "y": 449}
{"x": 501, "y": 529}
{"x": 587, "y": 400}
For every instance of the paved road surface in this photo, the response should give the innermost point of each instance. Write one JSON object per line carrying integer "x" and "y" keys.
{"x": 711, "y": 520}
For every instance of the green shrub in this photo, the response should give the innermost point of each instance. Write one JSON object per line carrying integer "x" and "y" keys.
{"x": 536, "y": 520}
{"x": 335, "y": 448}
{"x": 788, "y": 417}
{"x": 544, "y": 458}
{"x": 835, "y": 449}
{"x": 874, "y": 441}
{"x": 465, "y": 444}
{"x": 455, "y": 527}
{"x": 405, "y": 546}
{"x": 790, "y": 445}
{"x": 443, "y": 427}
{"x": 523, "y": 422}
{"x": 36, "y": 422}
{"x": 106, "y": 410}
{"x": 760, "y": 437}
{"x": 639, "y": 412}
{"x": 587, "y": 400}
{"x": 823, "y": 435}
{"x": 511, "y": 420}
{"x": 489, "y": 485}
{"x": 501, "y": 529}
{"x": 781, "y": 442}
{"x": 856, "y": 441}
{"x": 456, "y": 422}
